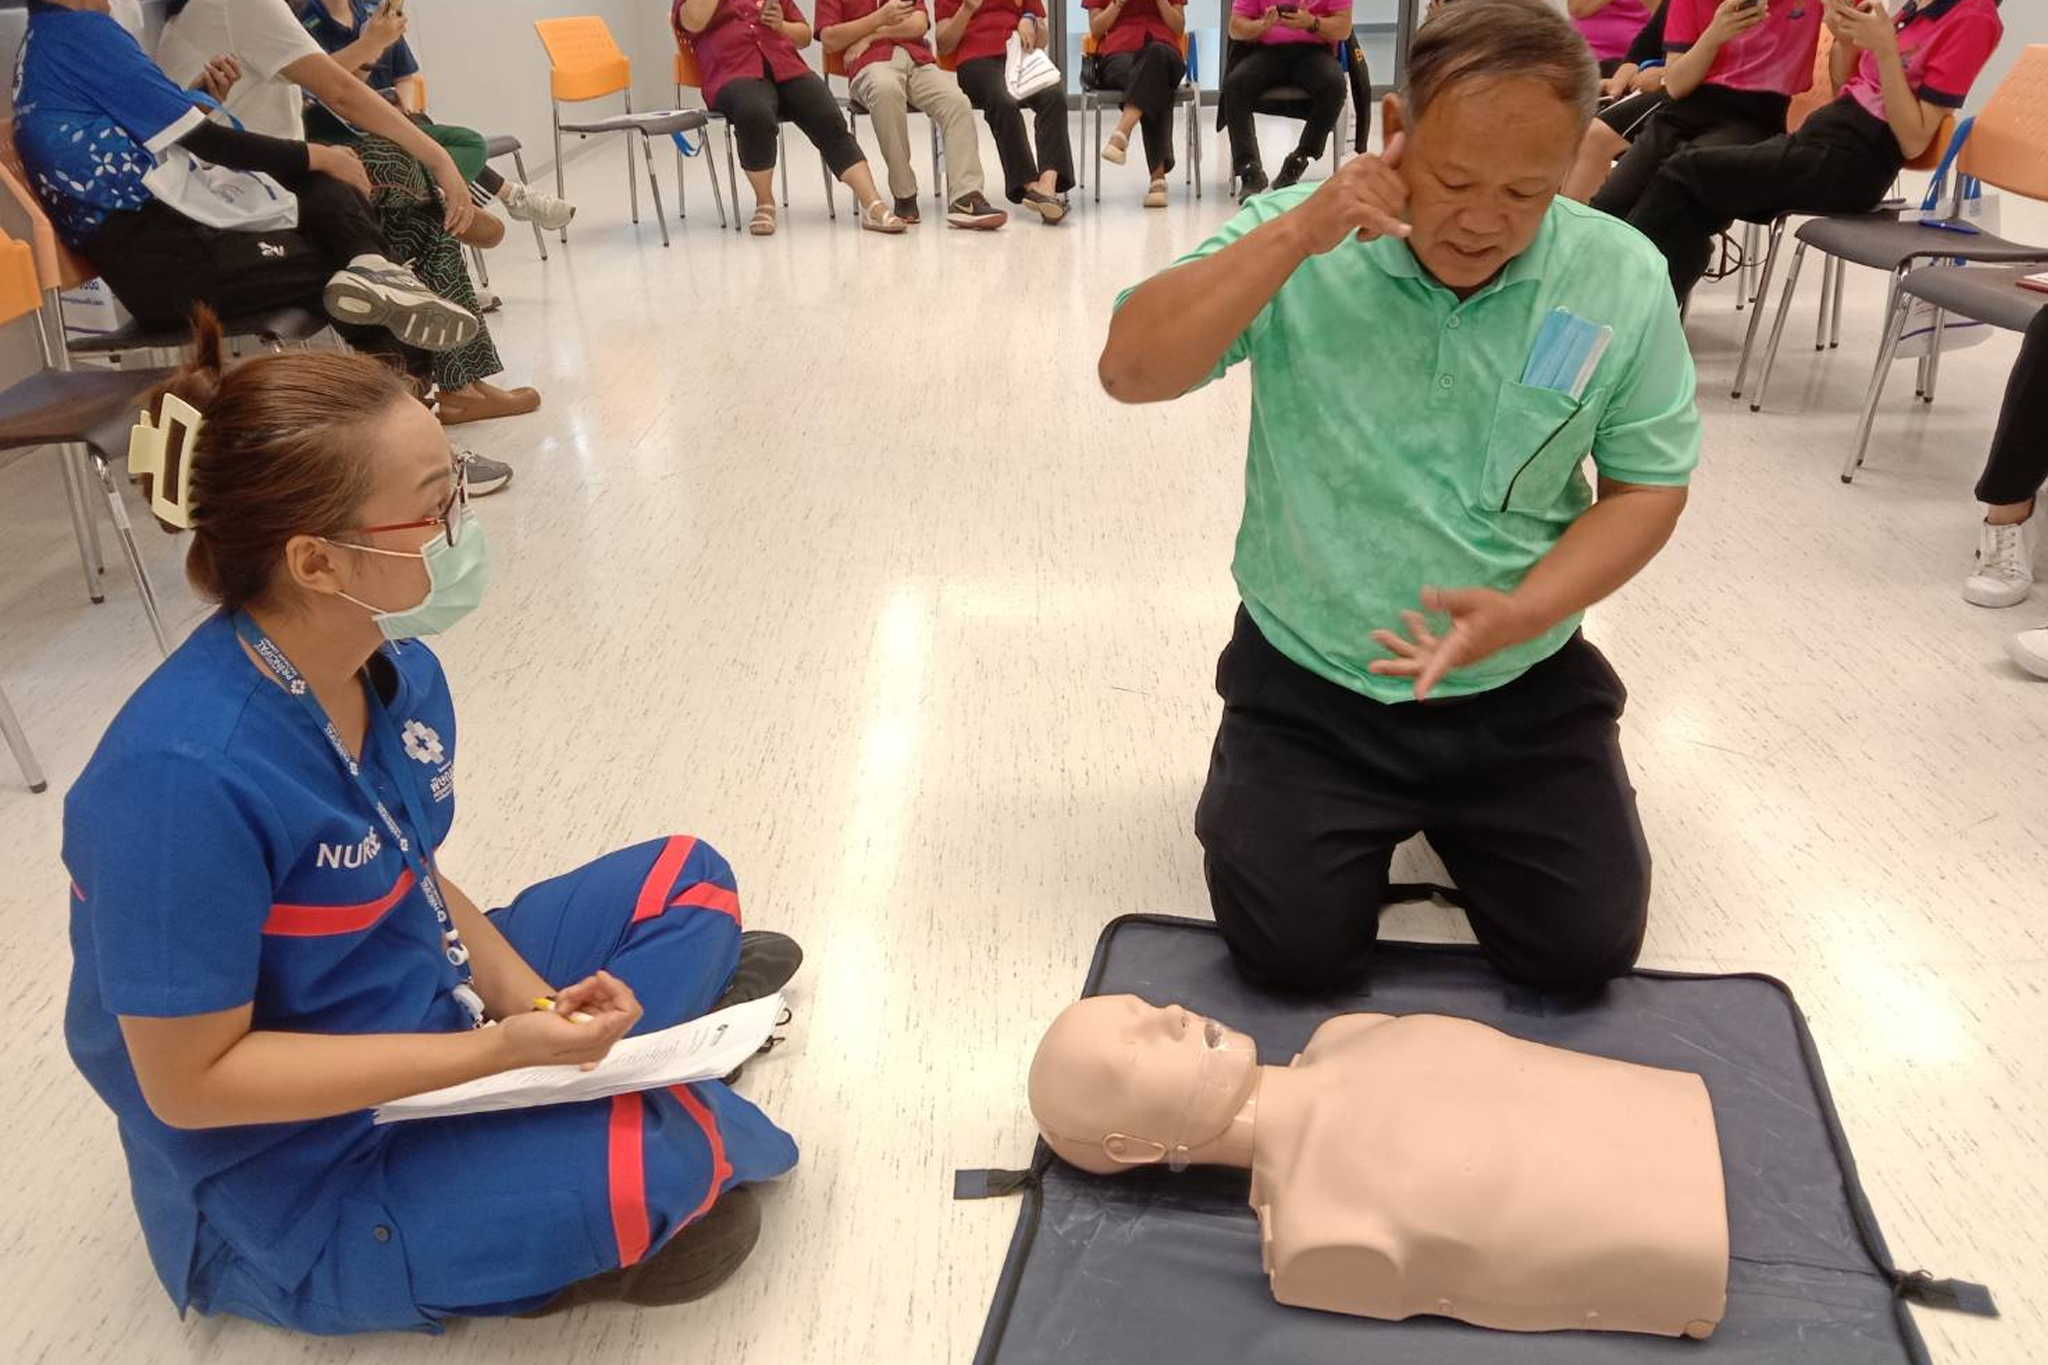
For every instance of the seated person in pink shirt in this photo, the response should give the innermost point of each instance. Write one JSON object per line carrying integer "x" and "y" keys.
{"x": 1609, "y": 26}
{"x": 1898, "y": 79}
{"x": 1733, "y": 70}
{"x": 1289, "y": 42}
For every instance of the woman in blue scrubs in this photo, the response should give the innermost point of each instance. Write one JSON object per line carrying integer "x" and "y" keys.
{"x": 265, "y": 948}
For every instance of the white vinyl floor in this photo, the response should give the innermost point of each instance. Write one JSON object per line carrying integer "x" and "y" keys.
{"x": 828, "y": 549}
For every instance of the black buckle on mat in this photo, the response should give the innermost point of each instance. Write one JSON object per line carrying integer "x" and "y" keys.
{"x": 991, "y": 1184}
{"x": 1959, "y": 1296}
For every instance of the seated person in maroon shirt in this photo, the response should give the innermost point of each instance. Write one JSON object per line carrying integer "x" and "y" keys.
{"x": 891, "y": 71}
{"x": 747, "y": 51}
{"x": 1139, "y": 45}
{"x": 976, "y": 34}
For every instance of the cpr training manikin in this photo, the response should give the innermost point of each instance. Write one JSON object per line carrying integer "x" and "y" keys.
{"x": 1417, "y": 1164}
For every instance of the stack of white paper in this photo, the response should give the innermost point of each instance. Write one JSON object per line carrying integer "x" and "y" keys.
{"x": 701, "y": 1050}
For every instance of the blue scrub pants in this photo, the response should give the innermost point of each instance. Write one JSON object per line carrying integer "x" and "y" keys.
{"x": 491, "y": 1214}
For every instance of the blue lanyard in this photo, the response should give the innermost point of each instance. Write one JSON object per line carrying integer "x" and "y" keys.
{"x": 452, "y": 946}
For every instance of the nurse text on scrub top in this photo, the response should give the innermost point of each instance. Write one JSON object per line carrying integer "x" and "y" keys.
{"x": 265, "y": 947}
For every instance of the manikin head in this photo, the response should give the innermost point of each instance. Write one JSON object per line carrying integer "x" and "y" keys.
{"x": 1119, "y": 1083}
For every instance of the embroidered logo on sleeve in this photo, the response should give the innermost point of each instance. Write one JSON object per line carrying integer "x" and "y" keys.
{"x": 422, "y": 743}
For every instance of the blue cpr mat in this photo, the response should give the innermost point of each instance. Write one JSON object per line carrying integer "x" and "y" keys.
{"x": 1163, "y": 1268}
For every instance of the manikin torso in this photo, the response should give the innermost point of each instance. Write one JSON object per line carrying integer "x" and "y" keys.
{"x": 1432, "y": 1165}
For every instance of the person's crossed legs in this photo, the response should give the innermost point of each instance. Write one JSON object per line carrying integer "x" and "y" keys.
{"x": 1522, "y": 792}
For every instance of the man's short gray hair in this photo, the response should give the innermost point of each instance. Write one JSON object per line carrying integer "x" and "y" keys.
{"x": 1497, "y": 39}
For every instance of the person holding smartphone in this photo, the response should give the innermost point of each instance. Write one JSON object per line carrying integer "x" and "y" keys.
{"x": 1292, "y": 42}
{"x": 368, "y": 37}
{"x": 1139, "y": 45}
{"x": 1898, "y": 78}
{"x": 1732, "y": 69}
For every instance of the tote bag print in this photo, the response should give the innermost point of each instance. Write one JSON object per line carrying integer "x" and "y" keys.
{"x": 234, "y": 201}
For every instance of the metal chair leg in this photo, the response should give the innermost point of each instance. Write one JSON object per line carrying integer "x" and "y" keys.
{"x": 540, "y": 239}
{"x": 1096, "y": 141}
{"x": 1756, "y": 314}
{"x": 124, "y": 531}
{"x": 653, "y": 185}
{"x": 711, "y": 169}
{"x": 1763, "y": 383}
{"x": 1895, "y": 326}
{"x": 1826, "y": 309}
{"x": 82, "y": 529}
{"x": 1841, "y": 279}
{"x": 483, "y": 269}
{"x": 938, "y": 176}
{"x": 632, "y": 180}
{"x": 17, "y": 740}
{"x": 1934, "y": 354}
{"x": 561, "y": 185}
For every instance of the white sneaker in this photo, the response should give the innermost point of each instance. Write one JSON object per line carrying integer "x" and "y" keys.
{"x": 525, "y": 204}
{"x": 2029, "y": 649}
{"x": 1155, "y": 197}
{"x": 2005, "y": 565}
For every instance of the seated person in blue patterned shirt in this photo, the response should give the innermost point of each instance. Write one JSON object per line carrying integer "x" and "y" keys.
{"x": 96, "y": 120}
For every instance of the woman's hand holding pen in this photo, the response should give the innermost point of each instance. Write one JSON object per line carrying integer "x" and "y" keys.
{"x": 577, "y": 1028}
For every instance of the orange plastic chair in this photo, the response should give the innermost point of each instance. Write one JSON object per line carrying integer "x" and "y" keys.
{"x": 584, "y": 64}
{"x": 2005, "y": 144}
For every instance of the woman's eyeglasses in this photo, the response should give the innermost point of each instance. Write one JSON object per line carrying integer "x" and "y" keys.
{"x": 449, "y": 518}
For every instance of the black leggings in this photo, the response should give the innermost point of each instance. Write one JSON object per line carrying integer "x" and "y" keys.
{"x": 987, "y": 90}
{"x": 1311, "y": 66}
{"x": 1629, "y": 115}
{"x": 1841, "y": 160}
{"x": 1149, "y": 77}
{"x": 755, "y": 106}
{"x": 2019, "y": 453}
{"x": 1711, "y": 116}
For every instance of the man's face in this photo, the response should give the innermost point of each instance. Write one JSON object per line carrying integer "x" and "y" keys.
{"x": 1482, "y": 166}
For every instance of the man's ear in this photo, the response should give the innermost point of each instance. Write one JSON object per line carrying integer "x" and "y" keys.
{"x": 1393, "y": 118}
{"x": 1126, "y": 1150}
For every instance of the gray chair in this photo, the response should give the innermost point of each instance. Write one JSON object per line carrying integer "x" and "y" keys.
{"x": 1882, "y": 242}
{"x": 664, "y": 123}
{"x": 17, "y": 740}
{"x": 1990, "y": 295}
{"x": 495, "y": 149}
{"x": 1098, "y": 98}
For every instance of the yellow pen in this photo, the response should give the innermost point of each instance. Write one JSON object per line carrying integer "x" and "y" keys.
{"x": 546, "y": 1005}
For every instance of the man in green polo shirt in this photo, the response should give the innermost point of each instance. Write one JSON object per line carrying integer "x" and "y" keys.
{"x": 1437, "y": 342}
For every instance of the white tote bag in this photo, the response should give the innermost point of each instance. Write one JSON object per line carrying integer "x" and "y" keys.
{"x": 1027, "y": 73}
{"x": 234, "y": 201}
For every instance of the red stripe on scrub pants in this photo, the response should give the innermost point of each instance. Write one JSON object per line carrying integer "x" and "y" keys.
{"x": 710, "y": 896}
{"x": 721, "y": 1169}
{"x": 628, "y": 1179}
{"x": 667, "y": 866}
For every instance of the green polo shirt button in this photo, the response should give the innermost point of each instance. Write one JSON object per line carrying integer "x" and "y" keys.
{"x": 1446, "y": 381}
{"x": 1455, "y": 322}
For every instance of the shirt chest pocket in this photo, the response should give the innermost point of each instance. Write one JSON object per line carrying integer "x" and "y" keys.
{"x": 1539, "y": 437}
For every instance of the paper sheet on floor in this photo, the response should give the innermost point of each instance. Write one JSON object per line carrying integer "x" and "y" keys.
{"x": 701, "y": 1050}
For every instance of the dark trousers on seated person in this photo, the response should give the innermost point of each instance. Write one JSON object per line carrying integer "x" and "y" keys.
{"x": 756, "y": 107}
{"x": 159, "y": 263}
{"x": 2019, "y": 453}
{"x": 1521, "y": 790}
{"x": 989, "y": 91}
{"x": 1842, "y": 160}
{"x": 1711, "y": 116}
{"x": 1268, "y": 66}
{"x": 1149, "y": 77}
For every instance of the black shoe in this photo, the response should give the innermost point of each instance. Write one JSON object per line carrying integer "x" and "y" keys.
{"x": 1050, "y": 208}
{"x": 906, "y": 209}
{"x": 1250, "y": 181}
{"x": 695, "y": 1261}
{"x": 975, "y": 212}
{"x": 767, "y": 962}
{"x": 1291, "y": 170}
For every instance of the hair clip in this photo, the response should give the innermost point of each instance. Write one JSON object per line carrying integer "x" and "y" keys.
{"x": 162, "y": 451}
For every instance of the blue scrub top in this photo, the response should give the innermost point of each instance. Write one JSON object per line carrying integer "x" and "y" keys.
{"x": 221, "y": 857}
{"x": 395, "y": 65}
